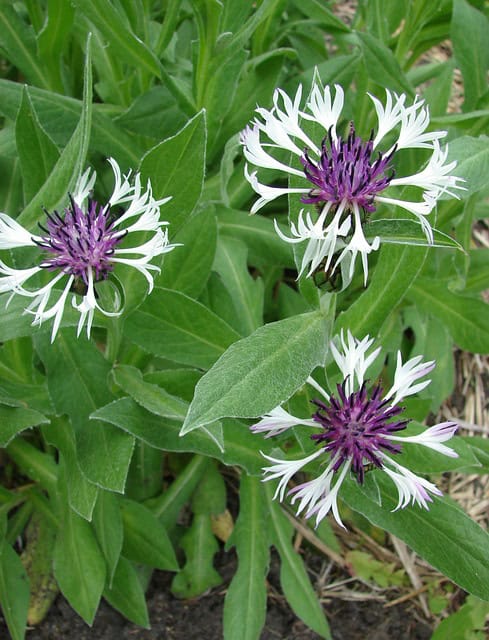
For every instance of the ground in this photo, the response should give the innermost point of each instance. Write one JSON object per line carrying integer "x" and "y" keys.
{"x": 201, "y": 618}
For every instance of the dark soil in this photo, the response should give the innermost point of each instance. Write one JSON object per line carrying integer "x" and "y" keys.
{"x": 201, "y": 618}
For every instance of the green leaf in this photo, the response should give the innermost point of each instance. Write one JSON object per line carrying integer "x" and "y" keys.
{"x": 79, "y": 565}
{"x": 71, "y": 162}
{"x": 295, "y": 582}
{"x": 240, "y": 446}
{"x": 396, "y": 231}
{"x": 259, "y": 372}
{"x": 37, "y": 152}
{"x": 471, "y": 53}
{"x": 153, "y": 114}
{"x": 59, "y": 116}
{"x": 210, "y": 495}
{"x": 172, "y": 325}
{"x": 467, "y": 622}
{"x": 127, "y": 595}
{"x": 258, "y": 233}
{"x": 176, "y": 168}
{"x": 145, "y": 538}
{"x": 119, "y": 35}
{"x": 198, "y": 574}
{"x": 13, "y": 420}
{"x": 187, "y": 269}
{"x": 52, "y": 40}
{"x": 177, "y": 382}
{"x": 107, "y": 524}
{"x": 381, "y": 64}
{"x": 472, "y": 156}
{"x": 37, "y": 557}
{"x": 478, "y": 274}
{"x": 246, "y": 292}
{"x": 444, "y": 536}
{"x": 316, "y": 10}
{"x": 467, "y": 319}
{"x": 19, "y": 44}
{"x": 168, "y": 504}
{"x": 246, "y": 597}
{"x": 81, "y": 494}
{"x": 395, "y": 272}
{"x": 36, "y": 465}
{"x": 337, "y": 69}
{"x": 77, "y": 374}
{"x": 150, "y": 396}
{"x": 220, "y": 90}
{"x": 14, "y": 591}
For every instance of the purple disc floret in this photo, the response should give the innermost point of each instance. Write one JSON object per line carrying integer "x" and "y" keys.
{"x": 356, "y": 428}
{"x": 81, "y": 242}
{"x": 346, "y": 172}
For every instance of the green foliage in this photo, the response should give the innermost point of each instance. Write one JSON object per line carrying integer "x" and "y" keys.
{"x": 110, "y": 438}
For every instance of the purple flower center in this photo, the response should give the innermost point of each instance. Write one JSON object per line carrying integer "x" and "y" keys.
{"x": 356, "y": 428}
{"x": 81, "y": 241}
{"x": 346, "y": 172}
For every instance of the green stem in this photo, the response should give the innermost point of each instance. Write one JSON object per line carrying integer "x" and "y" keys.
{"x": 36, "y": 465}
{"x": 167, "y": 505}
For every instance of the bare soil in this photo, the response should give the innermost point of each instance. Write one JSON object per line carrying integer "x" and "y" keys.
{"x": 201, "y": 618}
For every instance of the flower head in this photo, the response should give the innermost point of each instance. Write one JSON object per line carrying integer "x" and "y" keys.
{"x": 83, "y": 245}
{"x": 355, "y": 428}
{"x": 344, "y": 177}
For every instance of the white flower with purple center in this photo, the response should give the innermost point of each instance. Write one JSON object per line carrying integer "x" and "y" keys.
{"x": 358, "y": 428}
{"x": 344, "y": 177}
{"x": 83, "y": 245}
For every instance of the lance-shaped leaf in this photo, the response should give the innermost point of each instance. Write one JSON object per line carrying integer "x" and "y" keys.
{"x": 14, "y": 591}
{"x": 395, "y": 272}
{"x": 444, "y": 536}
{"x": 126, "y": 594}
{"x": 79, "y": 565}
{"x": 118, "y": 33}
{"x": 239, "y": 445}
{"x": 396, "y": 231}
{"x": 59, "y": 115}
{"x": 174, "y": 326}
{"x": 293, "y": 575}
{"x": 187, "y": 269}
{"x": 246, "y": 292}
{"x": 176, "y": 168}
{"x": 71, "y": 162}
{"x": 466, "y": 318}
{"x": 246, "y": 598}
{"x": 77, "y": 374}
{"x": 16, "y": 419}
{"x": 37, "y": 152}
{"x": 259, "y": 372}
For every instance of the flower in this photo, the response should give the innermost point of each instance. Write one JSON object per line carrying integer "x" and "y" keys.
{"x": 344, "y": 177}
{"x": 82, "y": 247}
{"x": 357, "y": 428}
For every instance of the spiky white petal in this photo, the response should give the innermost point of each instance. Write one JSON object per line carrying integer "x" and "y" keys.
{"x": 13, "y": 235}
{"x": 285, "y": 469}
{"x": 266, "y": 193}
{"x": 278, "y": 421}
{"x": 406, "y": 374}
{"x": 84, "y": 186}
{"x": 353, "y": 360}
{"x": 411, "y": 488}
{"x": 433, "y": 437}
{"x": 323, "y": 109}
